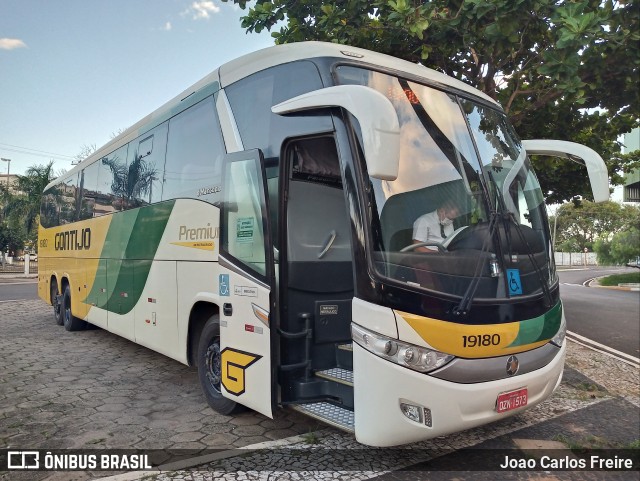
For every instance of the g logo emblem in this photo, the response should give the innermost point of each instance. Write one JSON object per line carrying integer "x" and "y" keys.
{"x": 234, "y": 364}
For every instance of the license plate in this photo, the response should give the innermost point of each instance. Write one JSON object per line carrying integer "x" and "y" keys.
{"x": 508, "y": 401}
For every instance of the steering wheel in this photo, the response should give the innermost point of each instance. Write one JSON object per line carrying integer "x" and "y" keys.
{"x": 412, "y": 247}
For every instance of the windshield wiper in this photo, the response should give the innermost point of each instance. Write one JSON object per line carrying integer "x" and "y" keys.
{"x": 536, "y": 267}
{"x": 462, "y": 309}
{"x": 508, "y": 219}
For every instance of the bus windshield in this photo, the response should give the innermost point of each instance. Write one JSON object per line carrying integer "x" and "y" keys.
{"x": 465, "y": 216}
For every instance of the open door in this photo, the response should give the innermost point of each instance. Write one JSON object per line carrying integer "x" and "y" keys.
{"x": 245, "y": 284}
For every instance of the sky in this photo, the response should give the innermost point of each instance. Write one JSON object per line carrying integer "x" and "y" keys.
{"x": 74, "y": 72}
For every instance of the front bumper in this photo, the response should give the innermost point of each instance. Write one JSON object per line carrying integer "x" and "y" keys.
{"x": 380, "y": 386}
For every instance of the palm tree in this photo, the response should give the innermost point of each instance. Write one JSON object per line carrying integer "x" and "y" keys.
{"x": 23, "y": 208}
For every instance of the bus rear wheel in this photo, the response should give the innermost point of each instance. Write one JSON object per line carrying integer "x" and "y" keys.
{"x": 71, "y": 323}
{"x": 210, "y": 368}
{"x": 57, "y": 305}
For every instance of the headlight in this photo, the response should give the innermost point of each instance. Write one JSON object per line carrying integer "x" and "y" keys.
{"x": 558, "y": 339}
{"x": 407, "y": 355}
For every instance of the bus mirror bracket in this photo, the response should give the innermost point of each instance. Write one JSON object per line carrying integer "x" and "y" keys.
{"x": 579, "y": 153}
{"x": 375, "y": 113}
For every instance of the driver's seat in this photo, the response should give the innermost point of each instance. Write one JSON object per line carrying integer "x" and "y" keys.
{"x": 400, "y": 239}
{"x": 401, "y": 211}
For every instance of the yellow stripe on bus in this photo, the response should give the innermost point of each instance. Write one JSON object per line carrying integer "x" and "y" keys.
{"x": 75, "y": 250}
{"x": 468, "y": 341}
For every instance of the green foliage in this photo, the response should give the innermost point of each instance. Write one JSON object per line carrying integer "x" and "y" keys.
{"x": 614, "y": 280}
{"x": 22, "y": 209}
{"x": 565, "y": 70}
{"x": 622, "y": 248}
{"x": 582, "y": 226}
{"x": 11, "y": 238}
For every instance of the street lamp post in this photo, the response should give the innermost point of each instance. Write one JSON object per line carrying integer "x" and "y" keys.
{"x": 8, "y": 169}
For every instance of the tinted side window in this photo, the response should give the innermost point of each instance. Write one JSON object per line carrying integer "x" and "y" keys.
{"x": 194, "y": 155}
{"x": 144, "y": 167}
{"x": 251, "y": 100}
{"x": 112, "y": 182}
{"x": 89, "y": 191}
{"x": 49, "y": 210}
{"x": 68, "y": 200}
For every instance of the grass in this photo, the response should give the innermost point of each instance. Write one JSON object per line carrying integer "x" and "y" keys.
{"x": 593, "y": 442}
{"x": 616, "y": 279}
{"x": 634, "y": 444}
{"x": 311, "y": 438}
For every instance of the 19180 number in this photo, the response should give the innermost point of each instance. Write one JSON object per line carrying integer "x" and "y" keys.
{"x": 481, "y": 340}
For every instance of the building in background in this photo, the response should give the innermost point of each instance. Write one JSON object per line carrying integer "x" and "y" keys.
{"x": 631, "y": 192}
{"x": 13, "y": 179}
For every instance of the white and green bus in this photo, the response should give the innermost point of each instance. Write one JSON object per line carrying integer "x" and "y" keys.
{"x": 260, "y": 226}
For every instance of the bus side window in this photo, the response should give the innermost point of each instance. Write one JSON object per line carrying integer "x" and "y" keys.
{"x": 68, "y": 200}
{"x": 194, "y": 155}
{"x": 111, "y": 182}
{"x": 144, "y": 166}
{"x": 49, "y": 212}
{"x": 251, "y": 99}
{"x": 89, "y": 188}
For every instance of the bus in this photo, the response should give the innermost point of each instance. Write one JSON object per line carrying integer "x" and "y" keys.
{"x": 261, "y": 227}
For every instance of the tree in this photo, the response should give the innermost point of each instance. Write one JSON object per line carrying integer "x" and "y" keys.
{"x": 10, "y": 239}
{"x": 21, "y": 210}
{"x": 562, "y": 69}
{"x": 623, "y": 247}
{"x": 85, "y": 151}
{"x": 580, "y": 225}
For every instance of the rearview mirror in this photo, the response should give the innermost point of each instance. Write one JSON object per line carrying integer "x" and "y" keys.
{"x": 596, "y": 168}
{"x": 377, "y": 117}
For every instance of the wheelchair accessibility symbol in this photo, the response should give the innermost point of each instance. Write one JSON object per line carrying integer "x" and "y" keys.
{"x": 513, "y": 278}
{"x": 224, "y": 284}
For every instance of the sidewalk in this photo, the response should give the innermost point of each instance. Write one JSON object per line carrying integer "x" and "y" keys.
{"x": 597, "y": 407}
{"x": 13, "y": 277}
{"x": 94, "y": 390}
{"x": 620, "y": 287}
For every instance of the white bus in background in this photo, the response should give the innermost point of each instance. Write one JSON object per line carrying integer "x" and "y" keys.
{"x": 260, "y": 227}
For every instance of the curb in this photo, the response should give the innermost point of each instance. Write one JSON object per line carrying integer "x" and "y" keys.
{"x": 591, "y": 282}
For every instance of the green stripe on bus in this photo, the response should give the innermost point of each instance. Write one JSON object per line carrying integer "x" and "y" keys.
{"x": 539, "y": 328}
{"x": 137, "y": 233}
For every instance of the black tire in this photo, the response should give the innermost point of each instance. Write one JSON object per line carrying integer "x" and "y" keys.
{"x": 209, "y": 369}
{"x": 71, "y": 323}
{"x": 57, "y": 307}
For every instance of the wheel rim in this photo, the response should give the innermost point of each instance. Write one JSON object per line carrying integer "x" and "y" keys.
{"x": 56, "y": 305}
{"x": 213, "y": 362}
{"x": 67, "y": 310}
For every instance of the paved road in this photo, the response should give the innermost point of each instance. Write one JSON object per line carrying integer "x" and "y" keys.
{"x": 92, "y": 389}
{"x": 607, "y": 316}
{"x": 18, "y": 289}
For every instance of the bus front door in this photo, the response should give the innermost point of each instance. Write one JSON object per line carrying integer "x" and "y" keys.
{"x": 245, "y": 284}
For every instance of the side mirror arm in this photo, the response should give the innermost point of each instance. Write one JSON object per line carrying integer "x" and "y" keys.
{"x": 596, "y": 168}
{"x": 375, "y": 113}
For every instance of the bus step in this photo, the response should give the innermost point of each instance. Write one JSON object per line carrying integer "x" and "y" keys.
{"x": 344, "y": 356}
{"x": 336, "y": 374}
{"x": 328, "y": 413}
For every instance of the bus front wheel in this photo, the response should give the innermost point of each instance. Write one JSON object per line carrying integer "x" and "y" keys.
{"x": 71, "y": 323}
{"x": 210, "y": 368}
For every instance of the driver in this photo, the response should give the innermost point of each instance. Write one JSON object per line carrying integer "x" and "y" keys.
{"x": 435, "y": 226}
